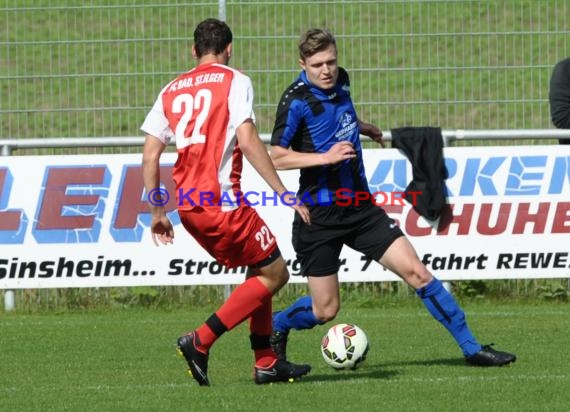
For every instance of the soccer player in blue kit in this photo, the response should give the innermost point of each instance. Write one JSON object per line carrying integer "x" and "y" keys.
{"x": 317, "y": 131}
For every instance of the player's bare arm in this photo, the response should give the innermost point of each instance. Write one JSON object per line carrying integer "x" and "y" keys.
{"x": 254, "y": 150}
{"x": 161, "y": 227}
{"x": 285, "y": 159}
{"x": 373, "y": 132}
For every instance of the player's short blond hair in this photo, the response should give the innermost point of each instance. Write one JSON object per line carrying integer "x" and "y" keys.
{"x": 314, "y": 41}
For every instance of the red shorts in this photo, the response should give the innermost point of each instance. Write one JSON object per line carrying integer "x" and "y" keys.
{"x": 236, "y": 238}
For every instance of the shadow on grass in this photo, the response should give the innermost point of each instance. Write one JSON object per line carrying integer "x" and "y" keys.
{"x": 431, "y": 362}
{"x": 381, "y": 370}
{"x": 368, "y": 372}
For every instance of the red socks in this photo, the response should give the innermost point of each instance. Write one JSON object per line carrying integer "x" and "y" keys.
{"x": 260, "y": 326}
{"x": 242, "y": 303}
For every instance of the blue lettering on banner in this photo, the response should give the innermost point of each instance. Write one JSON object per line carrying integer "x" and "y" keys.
{"x": 73, "y": 201}
{"x": 133, "y": 234}
{"x": 390, "y": 176}
{"x": 560, "y": 173}
{"x": 451, "y": 166}
{"x": 132, "y": 201}
{"x": 518, "y": 174}
{"x": 482, "y": 175}
{"x": 525, "y": 176}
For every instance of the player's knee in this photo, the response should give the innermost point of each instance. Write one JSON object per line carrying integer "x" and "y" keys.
{"x": 284, "y": 276}
{"x": 417, "y": 275}
{"x": 281, "y": 273}
{"x": 275, "y": 276}
{"x": 423, "y": 275}
{"x": 327, "y": 313}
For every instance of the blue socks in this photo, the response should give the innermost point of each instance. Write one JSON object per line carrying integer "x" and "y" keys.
{"x": 438, "y": 301}
{"x": 297, "y": 316}
{"x": 445, "y": 309}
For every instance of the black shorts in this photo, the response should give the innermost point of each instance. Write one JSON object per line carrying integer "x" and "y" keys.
{"x": 365, "y": 228}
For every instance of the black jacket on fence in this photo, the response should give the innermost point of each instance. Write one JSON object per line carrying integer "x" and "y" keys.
{"x": 423, "y": 146}
{"x": 559, "y": 96}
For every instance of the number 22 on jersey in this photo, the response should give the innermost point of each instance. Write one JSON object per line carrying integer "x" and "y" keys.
{"x": 264, "y": 237}
{"x": 193, "y": 109}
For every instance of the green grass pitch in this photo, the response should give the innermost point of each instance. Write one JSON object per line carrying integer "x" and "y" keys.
{"x": 125, "y": 360}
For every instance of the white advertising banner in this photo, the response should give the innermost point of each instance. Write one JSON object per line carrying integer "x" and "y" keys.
{"x": 83, "y": 221}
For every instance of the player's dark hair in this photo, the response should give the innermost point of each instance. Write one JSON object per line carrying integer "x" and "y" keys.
{"x": 314, "y": 41}
{"x": 211, "y": 36}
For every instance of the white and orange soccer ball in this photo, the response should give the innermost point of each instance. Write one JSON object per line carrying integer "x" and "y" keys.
{"x": 344, "y": 346}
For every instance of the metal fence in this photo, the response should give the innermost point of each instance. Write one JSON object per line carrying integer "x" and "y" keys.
{"x": 71, "y": 69}
{"x": 90, "y": 69}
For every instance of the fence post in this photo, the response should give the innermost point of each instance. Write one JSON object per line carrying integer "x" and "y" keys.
{"x": 9, "y": 296}
{"x": 9, "y": 300}
{"x": 222, "y": 10}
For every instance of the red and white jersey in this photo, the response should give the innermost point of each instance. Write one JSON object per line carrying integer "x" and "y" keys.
{"x": 202, "y": 109}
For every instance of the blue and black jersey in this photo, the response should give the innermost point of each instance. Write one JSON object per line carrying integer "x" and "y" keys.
{"x": 312, "y": 120}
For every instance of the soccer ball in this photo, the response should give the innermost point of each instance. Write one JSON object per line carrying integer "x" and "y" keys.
{"x": 344, "y": 346}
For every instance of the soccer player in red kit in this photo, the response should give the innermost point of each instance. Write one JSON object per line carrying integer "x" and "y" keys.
{"x": 209, "y": 112}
